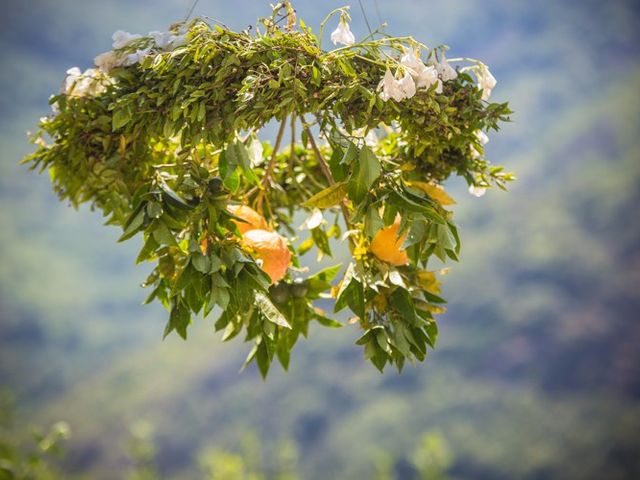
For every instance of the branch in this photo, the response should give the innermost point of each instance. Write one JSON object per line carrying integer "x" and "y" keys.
{"x": 272, "y": 161}
{"x": 326, "y": 171}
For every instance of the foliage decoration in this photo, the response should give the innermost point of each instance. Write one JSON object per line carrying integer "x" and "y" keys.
{"x": 162, "y": 137}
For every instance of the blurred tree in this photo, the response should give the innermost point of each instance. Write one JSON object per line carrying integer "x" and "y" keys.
{"x": 27, "y": 459}
{"x": 142, "y": 451}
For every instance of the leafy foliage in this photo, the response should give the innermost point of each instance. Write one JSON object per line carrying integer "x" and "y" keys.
{"x": 163, "y": 146}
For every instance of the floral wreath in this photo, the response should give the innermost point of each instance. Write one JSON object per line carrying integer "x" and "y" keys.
{"x": 162, "y": 137}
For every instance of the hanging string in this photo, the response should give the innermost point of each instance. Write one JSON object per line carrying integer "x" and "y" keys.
{"x": 191, "y": 9}
{"x": 380, "y": 22}
{"x": 366, "y": 20}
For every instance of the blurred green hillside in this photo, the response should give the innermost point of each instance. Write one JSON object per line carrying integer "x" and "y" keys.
{"x": 537, "y": 373}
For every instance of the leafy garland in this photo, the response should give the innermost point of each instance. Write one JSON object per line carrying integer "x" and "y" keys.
{"x": 163, "y": 137}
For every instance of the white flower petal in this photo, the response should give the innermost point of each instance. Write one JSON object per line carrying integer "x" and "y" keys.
{"x": 407, "y": 85}
{"x": 78, "y": 84}
{"x": 482, "y": 137}
{"x": 446, "y": 71}
{"x": 314, "y": 220}
{"x": 396, "y": 279}
{"x": 486, "y": 81}
{"x": 161, "y": 39}
{"x": 428, "y": 76}
{"x": 107, "y": 61}
{"x": 255, "y": 152}
{"x": 411, "y": 61}
{"x": 477, "y": 191}
{"x": 121, "y": 38}
{"x": 343, "y": 34}
{"x": 179, "y": 41}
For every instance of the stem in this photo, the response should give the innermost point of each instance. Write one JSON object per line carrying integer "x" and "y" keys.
{"x": 269, "y": 170}
{"x": 327, "y": 173}
{"x": 292, "y": 153}
{"x": 324, "y": 22}
{"x": 272, "y": 161}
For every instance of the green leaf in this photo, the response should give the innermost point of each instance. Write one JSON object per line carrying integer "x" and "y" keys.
{"x": 270, "y": 311}
{"x": 364, "y": 174}
{"x": 134, "y": 225}
{"x": 179, "y": 320}
{"x": 372, "y": 222}
{"x": 201, "y": 262}
{"x": 173, "y": 198}
{"x": 346, "y": 281}
{"x": 263, "y": 359}
{"x": 321, "y": 240}
{"x": 120, "y": 118}
{"x": 163, "y": 235}
{"x": 321, "y": 281}
{"x": 214, "y": 263}
{"x": 147, "y": 250}
{"x": 283, "y": 352}
{"x": 351, "y": 294}
{"x": 401, "y": 200}
{"x": 237, "y": 156}
{"x": 327, "y": 322}
{"x": 350, "y": 155}
{"x": 401, "y": 301}
{"x": 154, "y": 210}
{"x": 329, "y": 197}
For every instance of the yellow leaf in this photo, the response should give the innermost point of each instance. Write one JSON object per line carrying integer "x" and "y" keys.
{"x": 328, "y": 197}
{"x": 428, "y": 281}
{"x": 434, "y": 191}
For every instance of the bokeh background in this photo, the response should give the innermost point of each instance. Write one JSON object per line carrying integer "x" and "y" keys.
{"x": 537, "y": 372}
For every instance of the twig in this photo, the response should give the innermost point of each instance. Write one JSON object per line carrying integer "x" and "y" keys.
{"x": 272, "y": 161}
{"x": 270, "y": 166}
{"x": 327, "y": 173}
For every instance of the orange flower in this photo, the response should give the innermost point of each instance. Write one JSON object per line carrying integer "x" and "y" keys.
{"x": 388, "y": 247}
{"x": 272, "y": 249}
{"x": 252, "y": 218}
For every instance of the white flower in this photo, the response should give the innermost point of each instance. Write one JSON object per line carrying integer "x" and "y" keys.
{"x": 390, "y": 88}
{"x": 486, "y": 81}
{"x": 136, "y": 57}
{"x": 122, "y": 39}
{"x": 412, "y": 61}
{"x": 428, "y": 76}
{"x": 256, "y": 152}
{"x": 477, "y": 191}
{"x": 107, "y": 61}
{"x": 343, "y": 34}
{"x": 371, "y": 139}
{"x": 78, "y": 84}
{"x": 314, "y": 220}
{"x": 446, "y": 71}
{"x": 424, "y": 76}
{"x": 162, "y": 39}
{"x": 482, "y": 137}
{"x": 179, "y": 41}
{"x": 407, "y": 85}
{"x": 167, "y": 40}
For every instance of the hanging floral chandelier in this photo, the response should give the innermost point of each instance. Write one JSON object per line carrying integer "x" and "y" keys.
{"x": 163, "y": 137}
